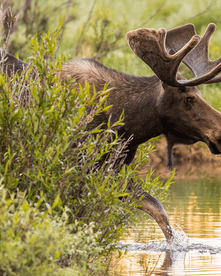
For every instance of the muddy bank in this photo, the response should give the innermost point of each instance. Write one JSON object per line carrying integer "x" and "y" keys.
{"x": 190, "y": 161}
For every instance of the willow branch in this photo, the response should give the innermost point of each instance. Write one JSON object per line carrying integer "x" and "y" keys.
{"x": 75, "y": 51}
{"x": 153, "y": 15}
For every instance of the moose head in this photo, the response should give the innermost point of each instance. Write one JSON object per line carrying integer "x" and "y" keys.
{"x": 185, "y": 117}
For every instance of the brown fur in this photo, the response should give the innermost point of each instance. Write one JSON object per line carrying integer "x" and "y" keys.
{"x": 151, "y": 107}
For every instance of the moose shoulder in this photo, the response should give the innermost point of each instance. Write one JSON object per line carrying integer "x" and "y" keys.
{"x": 165, "y": 103}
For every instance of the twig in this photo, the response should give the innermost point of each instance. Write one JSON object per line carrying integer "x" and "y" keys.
{"x": 103, "y": 53}
{"x": 209, "y": 7}
{"x": 75, "y": 51}
{"x": 5, "y": 38}
{"x": 154, "y": 267}
{"x": 66, "y": 20}
{"x": 9, "y": 25}
{"x": 21, "y": 11}
{"x": 100, "y": 55}
{"x": 153, "y": 15}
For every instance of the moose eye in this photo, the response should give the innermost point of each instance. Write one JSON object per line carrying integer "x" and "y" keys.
{"x": 188, "y": 101}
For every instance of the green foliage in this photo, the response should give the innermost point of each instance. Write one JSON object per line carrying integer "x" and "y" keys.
{"x": 212, "y": 94}
{"x": 37, "y": 243}
{"x": 50, "y": 156}
{"x": 102, "y": 34}
{"x": 31, "y": 17}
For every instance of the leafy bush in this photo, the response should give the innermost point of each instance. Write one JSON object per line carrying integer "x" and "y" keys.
{"x": 48, "y": 154}
{"x": 31, "y": 17}
{"x": 33, "y": 242}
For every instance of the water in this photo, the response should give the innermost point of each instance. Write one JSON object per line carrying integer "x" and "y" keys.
{"x": 194, "y": 211}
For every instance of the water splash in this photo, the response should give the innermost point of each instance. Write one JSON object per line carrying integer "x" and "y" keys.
{"x": 179, "y": 243}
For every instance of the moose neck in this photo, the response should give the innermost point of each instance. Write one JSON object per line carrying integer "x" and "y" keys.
{"x": 139, "y": 97}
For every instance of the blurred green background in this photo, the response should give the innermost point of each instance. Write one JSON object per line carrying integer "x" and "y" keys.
{"x": 97, "y": 28}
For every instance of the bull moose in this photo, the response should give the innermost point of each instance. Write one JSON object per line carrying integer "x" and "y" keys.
{"x": 165, "y": 103}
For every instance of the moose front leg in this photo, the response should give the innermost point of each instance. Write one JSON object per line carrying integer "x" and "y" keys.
{"x": 174, "y": 140}
{"x": 130, "y": 155}
{"x": 170, "y": 144}
{"x": 154, "y": 208}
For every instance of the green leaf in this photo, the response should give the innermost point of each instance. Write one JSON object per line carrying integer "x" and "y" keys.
{"x": 122, "y": 194}
{"x": 57, "y": 201}
{"x": 57, "y": 255}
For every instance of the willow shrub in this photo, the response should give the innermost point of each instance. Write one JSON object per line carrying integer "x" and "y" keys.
{"x": 48, "y": 154}
{"x": 35, "y": 242}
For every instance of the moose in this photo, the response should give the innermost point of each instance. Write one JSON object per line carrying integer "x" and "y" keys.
{"x": 165, "y": 103}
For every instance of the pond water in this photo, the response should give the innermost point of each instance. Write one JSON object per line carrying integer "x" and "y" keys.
{"x": 194, "y": 211}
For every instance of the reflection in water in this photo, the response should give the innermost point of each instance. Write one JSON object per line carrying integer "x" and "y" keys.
{"x": 196, "y": 207}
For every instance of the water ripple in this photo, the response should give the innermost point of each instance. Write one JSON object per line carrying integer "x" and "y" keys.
{"x": 180, "y": 243}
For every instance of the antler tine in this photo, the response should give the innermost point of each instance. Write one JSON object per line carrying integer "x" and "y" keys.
{"x": 149, "y": 46}
{"x": 197, "y": 60}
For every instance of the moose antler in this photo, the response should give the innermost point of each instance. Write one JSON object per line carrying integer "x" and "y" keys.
{"x": 198, "y": 59}
{"x": 153, "y": 46}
